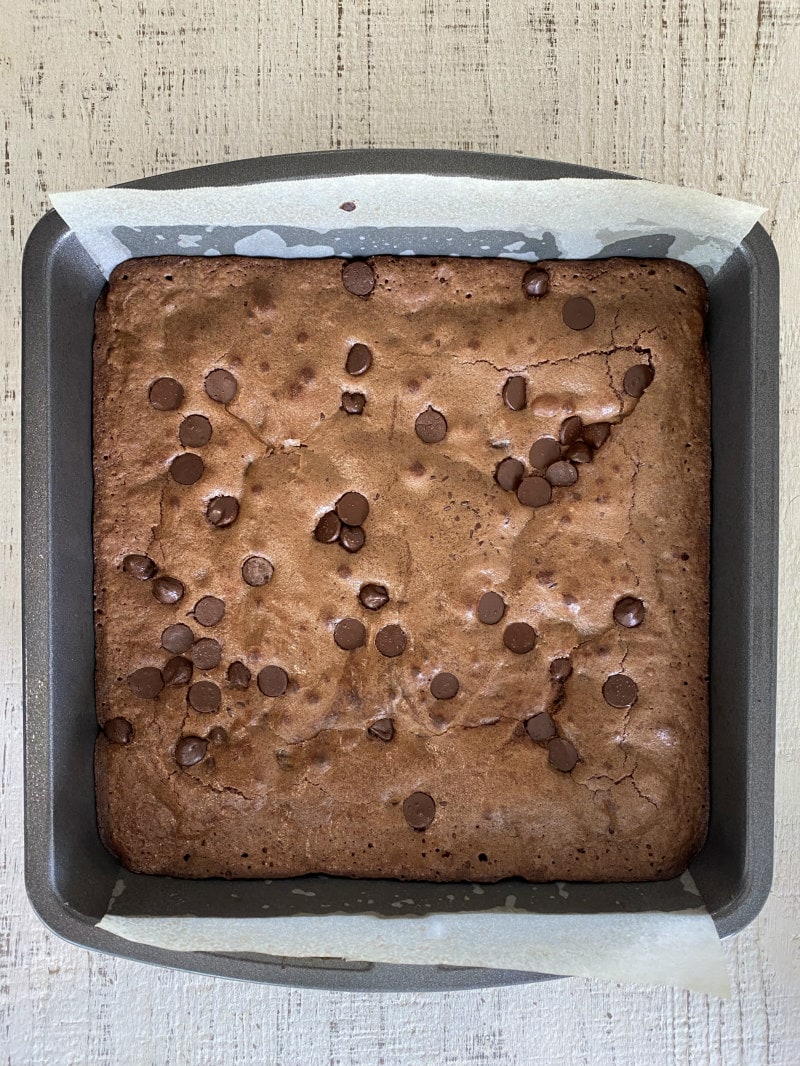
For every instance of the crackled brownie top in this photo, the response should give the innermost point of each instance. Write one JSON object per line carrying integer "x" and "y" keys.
{"x": 401, "y": 567}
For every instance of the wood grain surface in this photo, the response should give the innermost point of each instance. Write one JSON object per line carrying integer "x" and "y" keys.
{"x": 100, "y": 91}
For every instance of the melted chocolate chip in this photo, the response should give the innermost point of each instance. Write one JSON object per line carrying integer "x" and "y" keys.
{"x": 217, "y": 735}
{"x": 562, "y": 755}
{"x": 431, "y": 426}
{"x": 570, "y": 430}
{"x": 541, "y": 727}
{"x": 578, "y": 312}
{"x": 190, "y": 750}
{"x": 328, "y": 528}
{"x": 177, "y": 638}
{"x": 353, "y": 403}
{"x": 419, "y": 810}
{"x": 544, "y": 451}
{"x": 509, "y": 473}
{"x": 205, "y": 697}
{"x": 238, "y": 675}
{"x": 491, "y": 608}
{"x": 382, "y": 729}
{"x": 186, "y": 468}
{"x": 359, "y": 360}
{"x": 352, "y": 508}
{"x": 515, "y": 394}
{"x": 222, "y": 511}
{"x": 596, "y": 434}
{"x": 118, "y": 730}
{"x": 629, "y": 612}
{"x": 373, "y": 597}
{"x": 636, "y": 379}
{"x": 534, "y": 492}
{"x": 561, "y": 474}
{"x": 206, "y": 653}
{"x": 352, "y": 538}
{"x": 620, "y": 691}
{"x": 166, "y": 394}
{"x": 141, "y": 567}
{"x": 195, "y": 431}
{"x": 221, "y": 386}
{"x": 177, "y": 671}
{"x": 445, "y": 686}
{"x": 358, "y": 278}
{"x": 350, "y": 634}
{"x": 167, "y": 589}
{"x": 391, "y": 641}
{"x": 535, "y": 282}
{"x": 579, "y": 453}
{"x": 561, "y": 669}
{"x": 273, "y": 680}
{"x": 519, "y": 637}
{"x": 209, "y": 611}
{"x": 257, "y": 571}
{"x": 146, "y": 683}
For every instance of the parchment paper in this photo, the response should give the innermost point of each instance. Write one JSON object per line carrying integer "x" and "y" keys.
{"x": 673, "y": 943}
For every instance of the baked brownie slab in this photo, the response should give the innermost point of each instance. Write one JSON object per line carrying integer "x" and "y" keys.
{"x": 402, "y": 567}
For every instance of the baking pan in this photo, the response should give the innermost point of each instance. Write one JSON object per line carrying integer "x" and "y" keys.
{"x": 70, "y": 875}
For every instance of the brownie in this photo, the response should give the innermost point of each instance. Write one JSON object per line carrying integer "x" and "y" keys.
{"x": 402, "y": 567}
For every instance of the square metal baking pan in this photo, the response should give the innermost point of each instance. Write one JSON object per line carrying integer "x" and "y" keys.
{"x": 70, "y": 876}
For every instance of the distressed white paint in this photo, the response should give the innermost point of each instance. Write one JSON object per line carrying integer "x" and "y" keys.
{"x": 98, "y": 91}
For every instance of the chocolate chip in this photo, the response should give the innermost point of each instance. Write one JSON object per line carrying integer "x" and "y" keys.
{"x": 166, "y": 394}
{"x": 534, "y": 492}
{"x": 578, "y": 312}
{"x": 209, "y": 611}
{"x": 570, "y": 430}
{"x": 491, "y": 608}
{"x": 373, "y": 597}
{"x": 272, "y": 680}
{"x": 352, "y": 508}
{"x": 222, "y": 511}
{"x": 620, "y": 690}
{"x": 217, "y": 735}
{"x": 221, "y": 385}
{"x": 391, "y": 641}
{"x": 352, "y": 538}
{"x": 167, "y": 589}
{"x": 195, "y": 431}
{"x": 561, "y": 669}
{"x": 596, "y": 434}
{"x": 190, "y": 750}
{"x": 561, "y": 474}
{"x": 205, "y": 697}
{"x": 519, "y": 637}
{"x": 206, "y": 653}
{"x": 629, "y": 612}
{"x": 353, "y": 402}
{"x": 118, "y": 730}
{"x": 141, "y": 567}
{"x": 328, "y": 528}
{"x": 177, "y": 638}
{"x": 579, "y": 453}
{"x": 358, "y": 278}
{"x": 359, "y": 360}
{"x": 382, "y": 729}
{"x": 257, "y": 571}
{"x": 509, "y": 473}
{"x": 187, "y": 468}
{"x": 348, "y": 205}
{"x": 543, "y": 452}
{"x": 238, "y": 675}
{"x": 636, "y": 379}
{"x": 562, "y": 755}
{"x": 535, "y": 282}
{"x": 515, "y": 394}
{"x": 431, "y": 426}
{"x": 541, "y": 727}
{"x": 445, "y": 686}
{"x": 177, "y": 671}
{"x": 419, "y": 810}
{"x": 350, "y": 634}
{"x": 146, "y": 683}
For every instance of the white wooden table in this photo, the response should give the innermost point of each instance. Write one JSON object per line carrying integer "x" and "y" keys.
{"x": 99, "y": 91}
